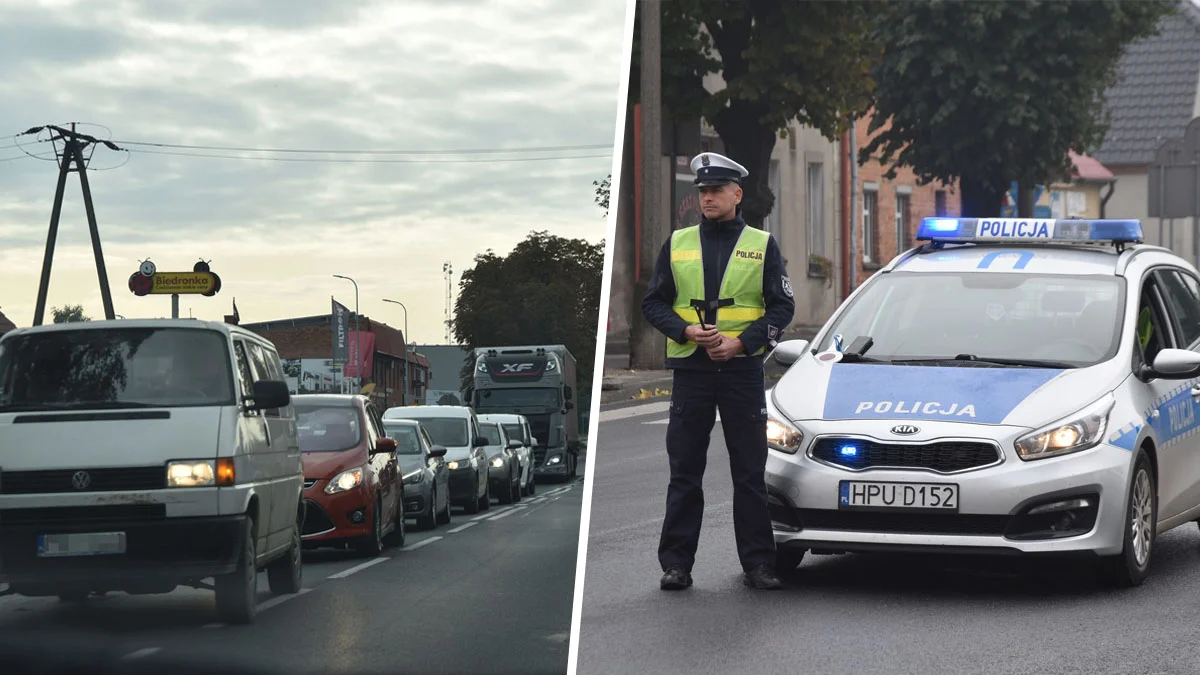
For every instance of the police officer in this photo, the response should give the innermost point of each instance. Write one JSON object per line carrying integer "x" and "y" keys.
{"x": 721, "y": 295}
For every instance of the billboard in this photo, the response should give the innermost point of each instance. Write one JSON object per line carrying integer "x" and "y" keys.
{"x": 338, "y": 320}
{"x": 360, "y": 365}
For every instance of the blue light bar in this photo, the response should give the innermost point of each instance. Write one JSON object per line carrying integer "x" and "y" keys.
{"x": 1031, "y": 230}
{"x": 848, "y": 451}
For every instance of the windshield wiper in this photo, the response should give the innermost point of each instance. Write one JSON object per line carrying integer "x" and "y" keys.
{"x": 995, "y": 361}
{"x": 58, "y": 406}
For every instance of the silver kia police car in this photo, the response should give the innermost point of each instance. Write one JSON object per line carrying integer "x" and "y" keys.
{"x": 1010, "y": 386}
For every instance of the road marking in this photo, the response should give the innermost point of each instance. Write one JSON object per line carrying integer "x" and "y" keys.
{"x": 279, "y": 600}
{"x": 358, "y": 568}
{"x": 460, "y": 528}
{"x": 559, "y": 491}
{"x": 141, "y": 653}
{"x": 538, "y": 500}
{"x": 489, "y": 514}
{"x": 507, "y": 513}
{"x": 634, "y": 411}
{"x": 419, "y": 544}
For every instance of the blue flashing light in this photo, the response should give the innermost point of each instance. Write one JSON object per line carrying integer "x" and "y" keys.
{"x": 848, "y": 451}
{"x": 1030, "y": 230}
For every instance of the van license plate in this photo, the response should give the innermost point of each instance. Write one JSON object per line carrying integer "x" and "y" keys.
{"x": 929, "y": 496}
{"x": 81, "y": 544}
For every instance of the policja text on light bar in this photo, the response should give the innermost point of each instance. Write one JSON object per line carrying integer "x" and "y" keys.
{"x": 1029, "y": 230}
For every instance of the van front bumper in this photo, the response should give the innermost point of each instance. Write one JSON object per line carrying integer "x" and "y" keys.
{"x": 158, "y": 550}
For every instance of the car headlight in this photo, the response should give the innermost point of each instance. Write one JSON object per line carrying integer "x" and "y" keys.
{"x": 459, "y": 464}
{"x": 200, "y": 473}
{"x": 498, "y": 463}
{"x": 1080, "y": 431}
{"x": 557, "y": 459}
{"x": 783, "y": 435}
{"x": 346, "y": 480}
{"x": 414, "y": 477}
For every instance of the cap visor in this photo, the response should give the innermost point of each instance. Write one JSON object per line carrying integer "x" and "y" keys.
{"x": 709, "y": 182}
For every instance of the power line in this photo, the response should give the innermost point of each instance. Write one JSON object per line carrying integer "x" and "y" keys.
{"x": 370, "y": 161}
{"x": 464, "y": 151}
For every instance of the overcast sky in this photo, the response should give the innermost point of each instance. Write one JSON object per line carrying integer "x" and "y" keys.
{"x": 419, "y": 75}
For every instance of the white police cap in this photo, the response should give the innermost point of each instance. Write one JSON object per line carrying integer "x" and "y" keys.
{"x": 713, "y": 169}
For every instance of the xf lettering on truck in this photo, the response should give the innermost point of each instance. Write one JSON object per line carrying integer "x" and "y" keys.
{"x": 516, "y": 367}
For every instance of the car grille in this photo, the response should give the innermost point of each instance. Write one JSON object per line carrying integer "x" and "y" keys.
{"x": 903, "y": 523}
{"x": 82, "y": 514}
{"x": 309, "y": 482}
{"x": 98, "y": 480}
{"x": 944, "y": 457}
{"x": 315, "y": 518}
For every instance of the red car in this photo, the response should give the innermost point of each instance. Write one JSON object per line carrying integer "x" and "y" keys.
{"x": 353, "y": 490}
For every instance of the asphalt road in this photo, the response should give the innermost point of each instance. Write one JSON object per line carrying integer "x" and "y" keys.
{"x": 853, "y": 613}
{"x": 490, "y": 593}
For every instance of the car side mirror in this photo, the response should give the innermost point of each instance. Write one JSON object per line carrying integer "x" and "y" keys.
{"x": 533, "y": 442}
{"x": 1176, "y": 364}
{"x": 513, "y": 445}
{"x": 385, "y": 445}
{"x": 270, "y": 394}
{"x": 437, "y": 451}
{"x": 788, "y": 352}
{"x": 480, "y": 442}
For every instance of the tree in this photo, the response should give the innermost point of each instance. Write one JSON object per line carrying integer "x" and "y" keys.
{"x": 602, "y": 190}
{"x": 780, "y": 61}
{"x": 992, "y": 92}
{"x": 546, "y": 291}
{"x": 69, "y": 314}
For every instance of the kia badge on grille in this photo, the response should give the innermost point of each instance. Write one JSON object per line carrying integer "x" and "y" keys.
{"x": 904, "y": 430}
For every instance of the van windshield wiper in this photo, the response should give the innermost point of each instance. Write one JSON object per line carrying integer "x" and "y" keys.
{"x": 58, "y": 406}
{"x": 995, "y": 361}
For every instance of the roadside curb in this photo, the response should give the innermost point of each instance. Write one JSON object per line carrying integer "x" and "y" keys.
{"x": 623, "y": 386}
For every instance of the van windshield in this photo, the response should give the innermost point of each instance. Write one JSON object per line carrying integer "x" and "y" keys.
{"x": 106, "y": 368}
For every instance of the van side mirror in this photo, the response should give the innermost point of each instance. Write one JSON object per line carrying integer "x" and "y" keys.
{"x": 514, "y": 445}
{"x": 480, "y": 442}
{"x": 270, "y": 394}
{"x": 385, "y": 445}
{"x": 437, "y": 451}
{"x": 570, "y": 405}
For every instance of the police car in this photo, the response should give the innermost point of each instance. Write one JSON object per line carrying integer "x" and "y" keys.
{"x": 1009, "y": 386}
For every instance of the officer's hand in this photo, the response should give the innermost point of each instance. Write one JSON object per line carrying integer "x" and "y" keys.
{"x": 726, "y": 349}
{"x": 705, "y": 337}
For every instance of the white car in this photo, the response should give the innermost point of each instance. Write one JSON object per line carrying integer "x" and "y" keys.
{"x": 138, "y": 455}
{"x": 517, "y": 429}
{"x": 1010, "y": 386}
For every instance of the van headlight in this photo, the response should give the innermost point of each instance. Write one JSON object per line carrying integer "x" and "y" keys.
{"x": 498, "y": 463}
{"x": 346, "y": 480}
{"x": 185, "y": 473}
{"x": 1080, "y": 431}
{"x": 783, "y": 435}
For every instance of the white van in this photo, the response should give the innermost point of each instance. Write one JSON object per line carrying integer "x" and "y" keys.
{"x": 138, "y": 455}
{"x": 455, "y": 428}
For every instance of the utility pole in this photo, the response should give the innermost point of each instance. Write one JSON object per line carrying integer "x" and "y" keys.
{"x": 407, "y": 385}
{"x": 71, "y": 158}
{"x": 647, "y": 350}
{"x": 448, "y": 273}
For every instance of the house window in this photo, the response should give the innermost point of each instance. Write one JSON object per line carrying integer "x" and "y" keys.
{"x": 816, "y": 208}
{"x": 870, "y": 225}
{"x": 939, "y": 203}
{"x": 773, "y": 223}
{"x": 903, "y": 220}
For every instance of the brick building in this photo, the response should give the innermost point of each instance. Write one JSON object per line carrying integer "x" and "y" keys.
{"x": 889, "y": 211}
{"x": 306, "y": 345}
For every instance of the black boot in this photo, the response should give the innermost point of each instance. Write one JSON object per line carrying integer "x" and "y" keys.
{"x": 762, "y": 577}
{"x": 675, "y": 578}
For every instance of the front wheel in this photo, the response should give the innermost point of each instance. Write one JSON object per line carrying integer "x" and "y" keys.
{"x": 428, "y": 521}
{"x": 372, "y": 544}
{"x": 1132, "y": 565}
{"x": 284, "y": 575}
{"x": 237, "y": 592}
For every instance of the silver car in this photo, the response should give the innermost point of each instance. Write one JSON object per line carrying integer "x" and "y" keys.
{"x": 504, "y": 471}
{"x": 423, "y": 466}
{"x": 1021, "y": 386}
{"x": 517, "y": 429}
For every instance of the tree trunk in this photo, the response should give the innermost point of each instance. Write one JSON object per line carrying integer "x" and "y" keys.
{"x": 1025, "y": 200}
{"x": 980, "y": 199}
{"x": 749, "y": 142}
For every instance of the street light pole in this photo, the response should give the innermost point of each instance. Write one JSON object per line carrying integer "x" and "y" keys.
{"x": 404, "y": 395}
{"x": 357, "y": 334}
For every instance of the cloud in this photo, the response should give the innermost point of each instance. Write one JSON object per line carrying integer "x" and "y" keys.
{"x": 414, "y": 76}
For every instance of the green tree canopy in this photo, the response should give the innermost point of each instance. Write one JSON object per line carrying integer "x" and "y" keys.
{"x": 603, "y": 187}
{"x": 69, "y": 314}
{"x": 546, "y": 291}
{"x": 992, "y": 92}
{"x": 780, "y": 61}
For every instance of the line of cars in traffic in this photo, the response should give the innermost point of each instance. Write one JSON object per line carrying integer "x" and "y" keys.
{"x": 140, "y": 455}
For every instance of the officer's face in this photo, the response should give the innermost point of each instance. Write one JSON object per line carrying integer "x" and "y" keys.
{"x": 719, "y": 202}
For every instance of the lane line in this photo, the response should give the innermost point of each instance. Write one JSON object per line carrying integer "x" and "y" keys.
{"x": 141, "y": 653}
{"x": 279, "y": 600}
{"x": 538, "y": 500}
{"x": 419, "y": 544}
{"x": 460, "y": 528}
{"x": 491, "y": 513}
{"x": 634, "y": 411}
{"x": 507, "y": 513}
{"x": 357, "y": 568}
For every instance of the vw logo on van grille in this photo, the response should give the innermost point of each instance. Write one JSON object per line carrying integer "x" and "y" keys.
{"x": 82, "y": 480}
{"x": 904, "y": 430}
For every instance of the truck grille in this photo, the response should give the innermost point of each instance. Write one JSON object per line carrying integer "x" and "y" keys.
{"x": 83, "y": 480}
{"x": 945, "y": 457}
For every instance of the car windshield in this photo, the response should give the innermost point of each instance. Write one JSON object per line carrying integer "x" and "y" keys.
{"x": 328, "y": 428}
{"x": 542, "y": 397}
{"x": 98, "y": 368}
{"x": 491, "y": 432}
{"x": 405, "y": 436}
{"x": 450, "y": 432}
{"x": 515, "y": 431}
{"x": 1033, "y": 319}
